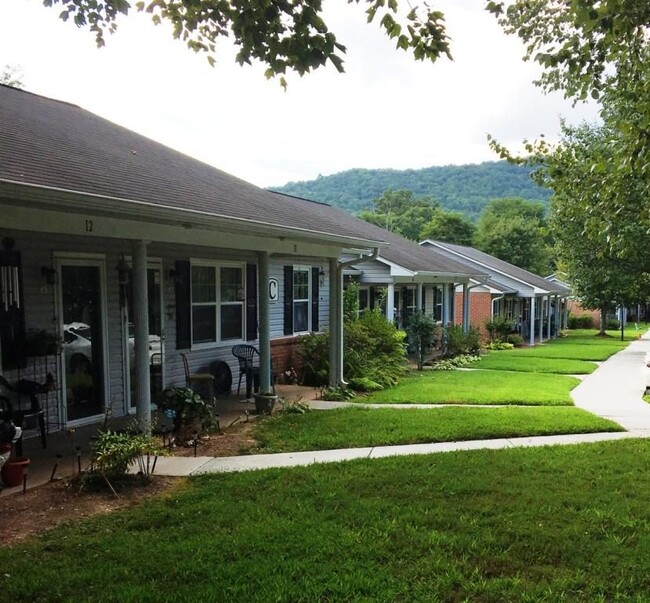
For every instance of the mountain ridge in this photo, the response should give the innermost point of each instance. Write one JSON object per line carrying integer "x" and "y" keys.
{"x": 465, "y": 188}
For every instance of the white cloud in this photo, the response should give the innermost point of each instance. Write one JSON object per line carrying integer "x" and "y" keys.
{"x": 386, "y": 111}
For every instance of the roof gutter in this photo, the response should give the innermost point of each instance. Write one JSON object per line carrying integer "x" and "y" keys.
{"x": 53, "y": 198}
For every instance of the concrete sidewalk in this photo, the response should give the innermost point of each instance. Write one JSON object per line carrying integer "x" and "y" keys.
{"x": 613, "y": 391}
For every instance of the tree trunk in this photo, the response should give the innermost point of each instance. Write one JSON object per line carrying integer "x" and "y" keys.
{"x": 603, "y": 320}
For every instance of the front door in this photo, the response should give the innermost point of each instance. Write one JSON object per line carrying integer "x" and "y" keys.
{"x": 82, "y": 323}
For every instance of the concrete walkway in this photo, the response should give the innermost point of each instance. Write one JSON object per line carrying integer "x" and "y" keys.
{"x": 613, "y": 391}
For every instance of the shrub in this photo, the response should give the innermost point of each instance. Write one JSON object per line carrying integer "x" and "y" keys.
{"x": 515, "y": 339}
{"x": 613, "y": 325}
{"x": 113, "y": 452}
{"x": 500, "y": 345}
{"x": 314, "y": 351}
{"x": 421, "y": 331}
{"x": 363, "y": 384}
{"x": 373, "y": 349}
{"x": 499, "y": 328}
{"x": 450, "y": 364}
{"x": 462, "y": 343}
{"x": 585, "y": 321}
{"x": 189, "y": 411}
{"x": 337, "y": 394}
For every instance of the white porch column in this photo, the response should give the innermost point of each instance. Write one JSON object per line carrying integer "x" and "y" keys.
{"x": 390, "y": 302}
{"x": 531, "y": 317}
{"x": 141, "y": 333}
{"x": 265, "y": 323}
{"x": 566, "y": 312}
{"x": 548, "y": 317}
{"x": 420, "y": 297}
{"x": 465, "y": 307}
{"x": 557, "y": 315}
{"x": 339, "y": 315}
{"x": 445, "y": 304}
{"x": 335, "y": 342}
{"x": 541, "y": 319}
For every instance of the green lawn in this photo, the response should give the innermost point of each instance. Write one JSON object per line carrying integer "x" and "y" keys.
{"x": 576, "y": 350}
{"x": 360, "y": 427}
{"x": 513, "y": 360}
{"x": 591, "y": 336}
{"x": 479, "y": 387}
{"x": 568, "y": 523}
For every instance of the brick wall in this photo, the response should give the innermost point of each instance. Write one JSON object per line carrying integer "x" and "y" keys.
{"x": 575, "y": 309}
{"x": 284, "y": 355}
{"x": 480, "y": 309}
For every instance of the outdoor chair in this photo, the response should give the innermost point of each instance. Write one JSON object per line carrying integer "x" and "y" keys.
{"x": 204, "y": 381}
{"x": 248, "y": 358}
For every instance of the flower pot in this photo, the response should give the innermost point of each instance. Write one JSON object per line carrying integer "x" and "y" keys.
{"x": 13, "y": 472}
{"x": 264, "y": 403}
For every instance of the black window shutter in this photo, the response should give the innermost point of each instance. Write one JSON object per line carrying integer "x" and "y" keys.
{"x": 372, "y": 294}
{"x": 251, "y": 301}
{"x": 315, "y": 275}
{"x": 183, "y": 305}
{"x": 288, "y": 300}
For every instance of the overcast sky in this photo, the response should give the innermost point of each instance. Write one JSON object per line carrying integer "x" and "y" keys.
{"x": 386, "y": 111}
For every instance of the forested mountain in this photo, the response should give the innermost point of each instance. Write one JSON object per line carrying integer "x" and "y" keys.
{"x": 464, "y": 188}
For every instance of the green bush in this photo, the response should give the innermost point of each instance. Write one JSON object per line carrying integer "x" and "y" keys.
{"x": 450, "y": 364}
{"x": 499, "y": 328}
{"x": 421, "y": 331}
{"x": 613, "y": 325}
{"x": 363, "y": 384}
{"x": 515, "y": 339}
{"x": 500, "y": 345}
{"x": 189, "y": 410}
{"x": 373, "y": 349}
{"x": 314, "y": 351}
{"x": 584, "y": 321}
{"x": 459, "y": 343}
{"x": 113, "y": 452}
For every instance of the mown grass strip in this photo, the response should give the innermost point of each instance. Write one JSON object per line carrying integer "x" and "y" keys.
{"x": 479, "y": 387}
{"x": 361, "y": 427}
{"x": 511, "y": 360}
{"x": 564, "y": 523}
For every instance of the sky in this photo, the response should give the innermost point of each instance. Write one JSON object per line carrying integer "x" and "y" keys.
{"x": 385, "y": 111}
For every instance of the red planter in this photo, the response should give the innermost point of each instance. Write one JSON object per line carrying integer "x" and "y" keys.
{"x": 13, "y": 472}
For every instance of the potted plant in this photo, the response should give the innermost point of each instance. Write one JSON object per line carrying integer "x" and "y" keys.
{"x": 189, "y": 411}
{"x": 265, "y": 402}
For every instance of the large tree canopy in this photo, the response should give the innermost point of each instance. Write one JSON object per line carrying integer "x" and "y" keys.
{"x": 515, "y": 231}
{"x": 283, "y": 34}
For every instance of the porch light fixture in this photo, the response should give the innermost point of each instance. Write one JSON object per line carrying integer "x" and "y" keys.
{"x": 123, "y": 269}
{"x": 321, "y": 277}
{"x": 49, "y": 275}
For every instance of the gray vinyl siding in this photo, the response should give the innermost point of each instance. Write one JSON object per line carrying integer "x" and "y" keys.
{"x": 40, "y": 305}
{"x": 373, "y": 272}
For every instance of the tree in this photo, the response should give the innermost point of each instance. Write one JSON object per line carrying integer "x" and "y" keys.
{"x": 401, "y": 212}
{"x": 12, "y": 75}
{"x": 606, "y": 258}
{"x": 599, "y": 49}
{"x": 282, "y": 34}
{"x": 449, "y": 226}
{"x": 515, "y": 231}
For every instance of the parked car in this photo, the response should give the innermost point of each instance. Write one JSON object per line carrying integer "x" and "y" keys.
{"x": 77, "y": 347}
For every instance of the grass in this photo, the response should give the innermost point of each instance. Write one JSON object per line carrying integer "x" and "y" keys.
{"x": 570, "y": 350}
{"x": 479, "y": 387}
{"x": 567, "y": 523}
{"x": 512, "y": 360}
{"x": 360, "y": 427}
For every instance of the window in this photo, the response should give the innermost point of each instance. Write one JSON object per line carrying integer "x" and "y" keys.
{"x": 301, "y": 299}
{"x": 437, "y": 303}
{"x": 217, "y": 303}
{"x": 364, "y": 299}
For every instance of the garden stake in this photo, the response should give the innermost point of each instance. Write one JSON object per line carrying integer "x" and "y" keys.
{"x": 25, "y": 480}
{"x": 247, "y": 413}
{"x": 56, "y": 466}
{"x": 196, "y": 442}
{"x": 79, "y": 458}
{"x": 153, "y": 467}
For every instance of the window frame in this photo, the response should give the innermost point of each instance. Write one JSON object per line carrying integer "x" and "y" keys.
{"x": 217, "y": 303}
{"x": 308, "y": 300}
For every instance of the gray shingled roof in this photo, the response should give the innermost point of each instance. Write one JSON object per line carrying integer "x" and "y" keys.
{"x": 477, "y": 257}
{"x": 53, "y": 144}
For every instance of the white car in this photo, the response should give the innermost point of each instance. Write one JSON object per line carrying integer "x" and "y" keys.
{"x": 77, "y": 347}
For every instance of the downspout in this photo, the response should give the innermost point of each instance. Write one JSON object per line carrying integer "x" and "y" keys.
{"x": 466, "y": 305}
{"x": 336, "y": 346}
{"x": 496, "y": 299}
